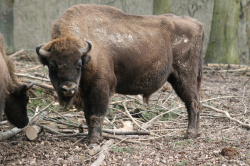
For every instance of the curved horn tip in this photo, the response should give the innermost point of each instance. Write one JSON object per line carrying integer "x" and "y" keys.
{"x": 38, "y": 48}
{"x": 89, "y": 44}
{"x": 86, "y": 49}
{"x": 44, "y": 53}
{"x": 30, "y": 85}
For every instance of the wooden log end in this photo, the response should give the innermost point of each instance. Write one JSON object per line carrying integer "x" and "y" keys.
{"x": 32, "y": 132}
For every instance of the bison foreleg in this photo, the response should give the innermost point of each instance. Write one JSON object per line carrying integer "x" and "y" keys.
{"x": 95, "y": 128}
{"x": 96, "y": 106}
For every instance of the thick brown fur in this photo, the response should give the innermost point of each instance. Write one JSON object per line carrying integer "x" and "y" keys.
{"x": 11, "y": 67}
{"x": 130, "y": 55}
{"x": 13, "y": 97}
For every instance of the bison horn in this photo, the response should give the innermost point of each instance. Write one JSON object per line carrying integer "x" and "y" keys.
{"x": 30, "y": 86}
{"x": 42, "y": 52}
{"x": 86, "y": 49}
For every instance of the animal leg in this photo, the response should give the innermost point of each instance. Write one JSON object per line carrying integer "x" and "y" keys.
{"x": 187, "y": 90}
{"x": 96, "y": 107}
{"x": 2, "y": 104}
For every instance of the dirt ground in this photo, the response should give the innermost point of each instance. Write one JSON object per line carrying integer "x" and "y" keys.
{"x": 222, "y": 142}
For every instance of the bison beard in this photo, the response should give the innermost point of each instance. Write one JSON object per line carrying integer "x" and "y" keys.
{"x": 65, "y": 101}
{"x": 130, "y": 55}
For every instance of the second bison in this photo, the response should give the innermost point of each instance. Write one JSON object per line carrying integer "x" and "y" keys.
{"x": 13, "y": 94}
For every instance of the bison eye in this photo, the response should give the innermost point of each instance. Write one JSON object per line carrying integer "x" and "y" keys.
{"x": 79, "y": 64}
{"x": 52, "y": 65}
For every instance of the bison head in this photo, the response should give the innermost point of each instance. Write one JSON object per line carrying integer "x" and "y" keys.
{"x": 65, "y": 58}
{"x": 15, "y": 106}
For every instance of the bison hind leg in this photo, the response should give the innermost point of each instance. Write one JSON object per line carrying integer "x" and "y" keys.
{"x": 188, "y": 92}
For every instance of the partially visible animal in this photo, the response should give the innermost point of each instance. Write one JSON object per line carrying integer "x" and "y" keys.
{"x": 96, "y": 51}
{"x": 13, "y": 94}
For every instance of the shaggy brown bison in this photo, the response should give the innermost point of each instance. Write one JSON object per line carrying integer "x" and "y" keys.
{"x": 99, "y": 50}
{"x": 13, "y": 97}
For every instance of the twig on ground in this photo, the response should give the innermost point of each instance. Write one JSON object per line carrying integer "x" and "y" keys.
{"x": 33, "y": 77}
{"x": 103, "y": 152}
{"x": 242, "y": 99}
{"x": 16, "y": 53}
{"x": 37, "y": 116}
{"x": 125, "y": 107}
{"x": 228, "y": 116}
{"x": 135, "y": 132}
{"x": 42, "y": 85}
{"x": 222, "y": 97}
{"x": 3, "y": 122}
{"x": 31, "y": 68}
{"x": 148, "y": 124}
{"x": 123, "y": 139}
{"x": 121, "y": 101}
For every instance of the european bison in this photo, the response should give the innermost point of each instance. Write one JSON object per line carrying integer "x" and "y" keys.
{"x": 99, "y": 50}
{"x": 13, "y": 97}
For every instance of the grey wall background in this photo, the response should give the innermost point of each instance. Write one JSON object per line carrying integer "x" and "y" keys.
{"x": 33, "y": 18}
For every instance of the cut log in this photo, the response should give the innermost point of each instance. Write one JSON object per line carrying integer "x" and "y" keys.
{"x": 32, "y": 132}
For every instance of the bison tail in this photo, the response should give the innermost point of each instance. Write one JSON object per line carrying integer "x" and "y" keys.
{"x": 200, "y": 68}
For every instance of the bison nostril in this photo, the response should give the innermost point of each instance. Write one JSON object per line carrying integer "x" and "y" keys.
{"x": 72, "y": 92}
{"x": 69, "y": 89}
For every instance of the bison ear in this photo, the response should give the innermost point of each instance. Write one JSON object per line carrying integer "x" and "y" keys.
{"x": 84, "y": 52}
{"x": 85, "y": 59}
{"x": 24, "y": 88}
{"x": 42, "y": 54}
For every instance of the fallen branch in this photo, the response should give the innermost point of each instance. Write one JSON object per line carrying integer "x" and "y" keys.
{"x": 9, "y": 134}
{"x": 148, "y": 124}
{"x": 42, "y": 85}
{"x": 61, "y": 134}
{"x": 3, "y": 122}
{"x": 228, "y": 116}
{"x": 32, "y": 68}
{"x": 135, "y": 132}
{"x": 16, "y": 53}
{"x": 123, "y": 139}
{"x": 33, "y": 77}
{"x": 39, "y": 114}
{"x": 103, "y": 152}
{"x": 222, "y": 97}
{"x": 125, "y": 107}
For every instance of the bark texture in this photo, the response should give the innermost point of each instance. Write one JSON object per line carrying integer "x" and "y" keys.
{"x": 7, "y": 23}
{"x": 223, "y": 42}
{"x": 161, "y": 7}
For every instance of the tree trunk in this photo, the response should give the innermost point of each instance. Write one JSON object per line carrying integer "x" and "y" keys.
{"x": 161, "y": 7}
{"x": 223, "y": 42}
{"x": 7, "y": 23}
{"x": 247, "y": 13}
